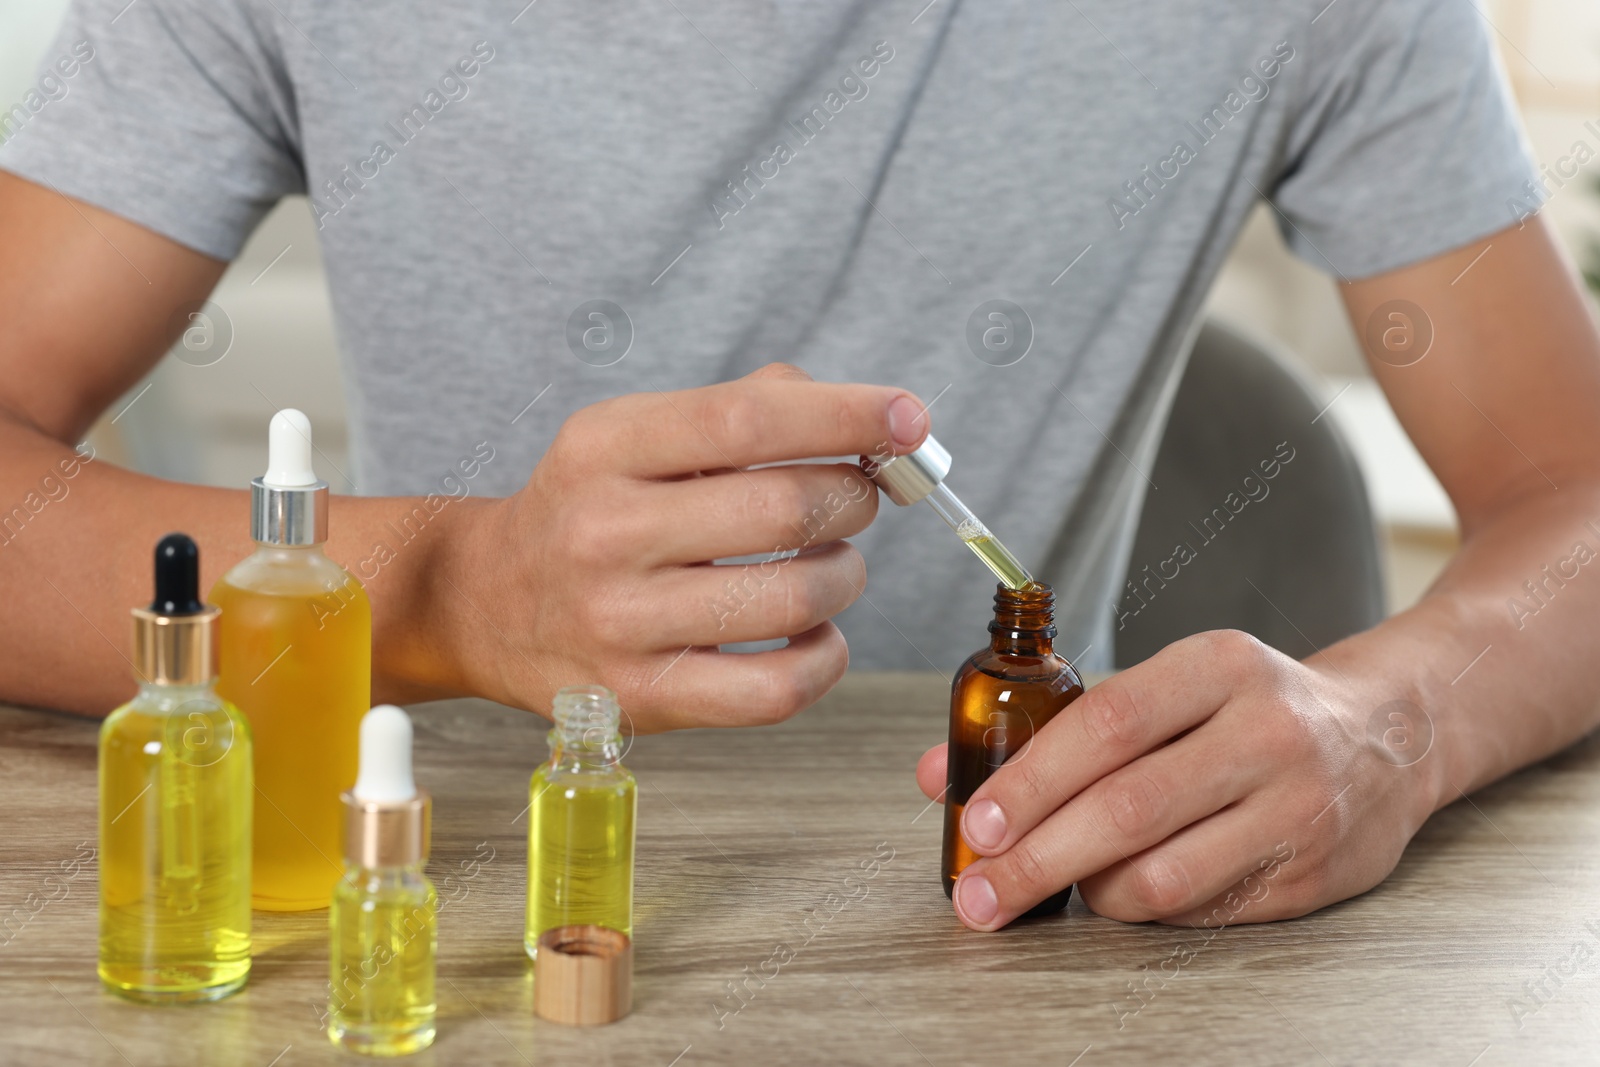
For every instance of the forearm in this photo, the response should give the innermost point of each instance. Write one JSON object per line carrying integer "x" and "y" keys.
{"x": 75, "y": 557}
{"x": 1502, "y": 685}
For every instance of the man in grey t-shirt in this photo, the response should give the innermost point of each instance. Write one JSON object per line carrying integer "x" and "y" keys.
{"x": 628, "y": 211}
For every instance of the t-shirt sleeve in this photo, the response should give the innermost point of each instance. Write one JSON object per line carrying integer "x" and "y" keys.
{"x": 176, "y": 114}
{"x": 1404, "y": 143}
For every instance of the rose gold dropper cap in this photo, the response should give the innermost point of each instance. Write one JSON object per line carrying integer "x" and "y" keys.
{"x": 386, "y": 816}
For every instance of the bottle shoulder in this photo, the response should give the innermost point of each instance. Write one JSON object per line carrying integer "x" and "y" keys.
{"x": 570, "y": 773}
{"x": 385, "y": 885}
{"x": 277, "y": 571}
{"x": 186, "y": 702}
{"x": 987, "y": 667}
{"x": 197, "y": 727}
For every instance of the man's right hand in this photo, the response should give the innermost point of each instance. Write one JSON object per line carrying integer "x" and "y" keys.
{"x": 600, "y": 569}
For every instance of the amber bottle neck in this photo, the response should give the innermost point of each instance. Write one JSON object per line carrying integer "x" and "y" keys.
{"x": 1024, "y": 621}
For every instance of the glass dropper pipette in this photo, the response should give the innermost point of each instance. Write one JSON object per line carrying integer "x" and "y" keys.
{"x": 985, "y": 545}
{"x": 920, "y": 475}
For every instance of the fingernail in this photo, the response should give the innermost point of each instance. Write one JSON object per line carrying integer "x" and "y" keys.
{"x": 977, "y": 899}
{"x": 907, "y": 420}
{"x": 984, "y": 825}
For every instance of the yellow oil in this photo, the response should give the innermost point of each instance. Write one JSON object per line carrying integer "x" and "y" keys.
{"x": 383, "y": 926}
{"x": 296, "y": 657}
{"x": 580, "y": 847}
{"x": 996, "y": 556}
{"x": 175, "y": 813}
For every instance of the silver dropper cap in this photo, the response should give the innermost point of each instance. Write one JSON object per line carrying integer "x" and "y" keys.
{"x": 911, "y": 477}
{"x": 289, "y": 504}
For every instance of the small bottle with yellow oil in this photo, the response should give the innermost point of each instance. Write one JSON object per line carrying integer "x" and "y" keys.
{"x": 581, "y": 811}
{"x": 383, "y": 919}
{"x": 175, "y": 800}
{"x": 297, "y": 660}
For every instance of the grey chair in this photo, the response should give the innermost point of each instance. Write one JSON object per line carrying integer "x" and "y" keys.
{"x": 1292, "y": 559}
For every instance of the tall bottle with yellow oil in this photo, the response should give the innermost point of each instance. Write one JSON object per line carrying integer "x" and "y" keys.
{"x": 175, "y": 798}
{"x": 296, "y": 637}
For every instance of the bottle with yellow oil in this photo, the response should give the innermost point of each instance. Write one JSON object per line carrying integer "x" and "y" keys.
{"x": 296, "y": 638}
{"x": 383, "y": 919}
{"x": 581, "y": 809}
{"x": 175, "y": 799}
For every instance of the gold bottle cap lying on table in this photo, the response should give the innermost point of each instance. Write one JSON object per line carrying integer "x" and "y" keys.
{"x": 583, "y": 975}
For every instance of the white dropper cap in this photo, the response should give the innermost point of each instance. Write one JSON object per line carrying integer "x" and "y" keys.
{"x": 288, "y": 504}
{"x": 385, "y": 775}
{"x": 289, "y": 451}
{"x": 387, "y": 817}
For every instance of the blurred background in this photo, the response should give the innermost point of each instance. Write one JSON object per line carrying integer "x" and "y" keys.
{"x": 281, "y": 350}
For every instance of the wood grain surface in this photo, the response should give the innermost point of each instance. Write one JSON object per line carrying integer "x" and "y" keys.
{"x": 1479, "y": 950}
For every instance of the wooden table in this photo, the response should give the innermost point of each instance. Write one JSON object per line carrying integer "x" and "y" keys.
{"x": 743, "y": 834}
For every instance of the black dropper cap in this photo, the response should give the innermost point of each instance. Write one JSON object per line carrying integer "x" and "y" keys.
{"x": 177, "y": 576}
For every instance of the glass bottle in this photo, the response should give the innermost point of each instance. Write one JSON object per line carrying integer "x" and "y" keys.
{"x": 581, "y": 806}
{"x": 175, "y": 797}
{"x": 383, "y": 933}
{"x": 297, "y": 660}
{"x": 581, "y": 811}
{"x": 1001, "y": 695}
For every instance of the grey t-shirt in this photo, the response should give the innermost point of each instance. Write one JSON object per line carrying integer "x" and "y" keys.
{"x": 843, "y": 185}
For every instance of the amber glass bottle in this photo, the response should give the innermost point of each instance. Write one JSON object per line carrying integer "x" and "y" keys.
{"x": 1000, "y": 696}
